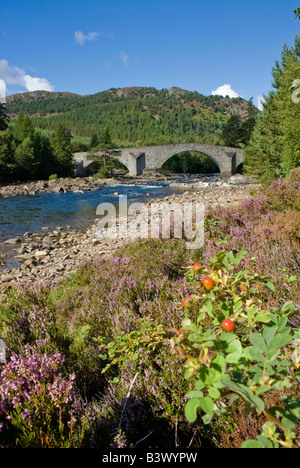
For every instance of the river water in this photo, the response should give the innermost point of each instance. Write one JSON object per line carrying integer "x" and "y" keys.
{"x": 71, "y": 210}
{"x": 20, "y": 214}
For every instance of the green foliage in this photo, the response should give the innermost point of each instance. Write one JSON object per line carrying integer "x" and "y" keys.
{"x": 3, "y": 117}
{"x": 27, "y": 154}
{"x": 124, "y": 348}
{"x": 247, "y": 364}
{"x": 274, "y": 148}
{"x": 232, "y": 132}
{"x": 138, "y": 116}
{"x": 62, "y": 150}
{"x": 237, "y": 132}
{"x": 190, "y": 162}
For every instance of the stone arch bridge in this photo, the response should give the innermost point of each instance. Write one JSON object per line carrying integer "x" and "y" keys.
{"x": 151, "y": 158}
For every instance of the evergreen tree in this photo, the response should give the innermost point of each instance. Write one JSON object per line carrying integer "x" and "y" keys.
{"x": 106, "y": 139}
{"x": 232, "y": 133}
{"x": 47, "y": 162}
{"x": 8, "y": 164}
{"x": 23, "y": 128}
{"x": 289, "y": 111}
{"x": 26, "y": 160}
{"x": 263, "y": 154}
{"x": 274, "y": 147}
{"x": 3, "y": 117}
{"x": 62, "y": 150}
{"x": 94, "y": 141}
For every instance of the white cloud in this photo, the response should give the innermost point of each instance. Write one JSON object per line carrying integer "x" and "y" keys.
{"x": 2, "y": 90}
{"x": 225, "y": 90}
{"x": 260, "y": 102}
{"x": 37, "y": 84}
{"x": 11, "y": 75}
{"x": 81, "y": 38}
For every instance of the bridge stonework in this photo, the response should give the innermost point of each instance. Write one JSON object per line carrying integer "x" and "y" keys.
{"x": 151, "y": 158}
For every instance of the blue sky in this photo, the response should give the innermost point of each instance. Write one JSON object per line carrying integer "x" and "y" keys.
{"x": 89, "y": 46}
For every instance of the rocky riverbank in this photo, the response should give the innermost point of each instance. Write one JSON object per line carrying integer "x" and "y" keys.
{"x": 84, "y": 184}
{"x": 78, "y": 184}
{"x": 54, "y": 255}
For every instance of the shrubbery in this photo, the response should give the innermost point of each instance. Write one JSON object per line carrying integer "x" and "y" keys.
{"x": 103, "y": 360}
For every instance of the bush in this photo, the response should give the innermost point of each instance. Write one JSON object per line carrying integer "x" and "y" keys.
{"x": 53, "y": 177}
{"x": 260, "y": 357}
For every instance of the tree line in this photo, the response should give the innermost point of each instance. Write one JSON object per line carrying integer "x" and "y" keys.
{"x": 26, "y": 154}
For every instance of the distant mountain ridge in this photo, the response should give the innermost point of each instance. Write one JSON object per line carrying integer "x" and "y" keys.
{"x": 142, "y": 115}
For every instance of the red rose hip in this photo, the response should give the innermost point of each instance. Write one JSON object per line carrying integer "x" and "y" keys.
{"x": 228, "y": 325}
{"x": 208, "y": 283}
{"x": 186, "y": 301}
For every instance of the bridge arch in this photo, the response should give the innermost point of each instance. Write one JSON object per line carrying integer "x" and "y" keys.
{"x": 209, "y": 157}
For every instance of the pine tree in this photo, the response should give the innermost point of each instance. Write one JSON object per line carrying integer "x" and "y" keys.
{"x": 7, "y": 156}
{"x": 274, "y": 147}
{"x": 93, "y": 141}
{"x": 263, "y": 154}
{"x": 289, "y": 110}
{"x": 232, "y": 133}
{"x": 3, "y": 117}
{"x": 62, "y": 150}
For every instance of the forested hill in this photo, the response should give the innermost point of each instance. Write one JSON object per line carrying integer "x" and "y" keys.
{"x": 136, "y": 115}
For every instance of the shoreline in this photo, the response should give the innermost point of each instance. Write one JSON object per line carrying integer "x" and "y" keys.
{"x": 54, "y": 255}
{"x": 83, "y": 184}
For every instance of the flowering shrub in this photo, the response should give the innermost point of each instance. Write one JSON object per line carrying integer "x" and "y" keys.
{"x": 254, "y": 360}
{"x": 35, "y": 400}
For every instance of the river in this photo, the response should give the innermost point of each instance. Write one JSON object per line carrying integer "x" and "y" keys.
{"x": 21, "y": 214}
{"x": 71, "y": 210}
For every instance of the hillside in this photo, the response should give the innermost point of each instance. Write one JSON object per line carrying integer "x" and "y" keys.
{"x": 133, "y": 115}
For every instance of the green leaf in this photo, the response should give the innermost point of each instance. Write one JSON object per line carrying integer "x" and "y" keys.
{"x": 209, "y": 307}
{"x": 269, "y": 333}
{"x": 217, "y": 367}
{"x": 280, "y": 341}
{"x": 257, "y": 340}
{"x": 214, "y": 393}
{"x": 194, "y": 394}
{"x": 262, "y": 316}
{"x": 102, "y": 356}
{"x": 293, "y": 405}
{"x": 207, "y": 405}
{"x": 296, "y": 334}
{"x": 233, "y": 358}
{"x": 256, "y": 354}
{"x": 252, "y": 444}
{"x": 206, "y": 418}
{"x": 265, "y": 441}
{"x": 257, "y": 402}
{"x": 190, "y": 409}
{"x": 263, "y": 389}
{"x": 270, "y": 286}
{"x": 288, "y": 308}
